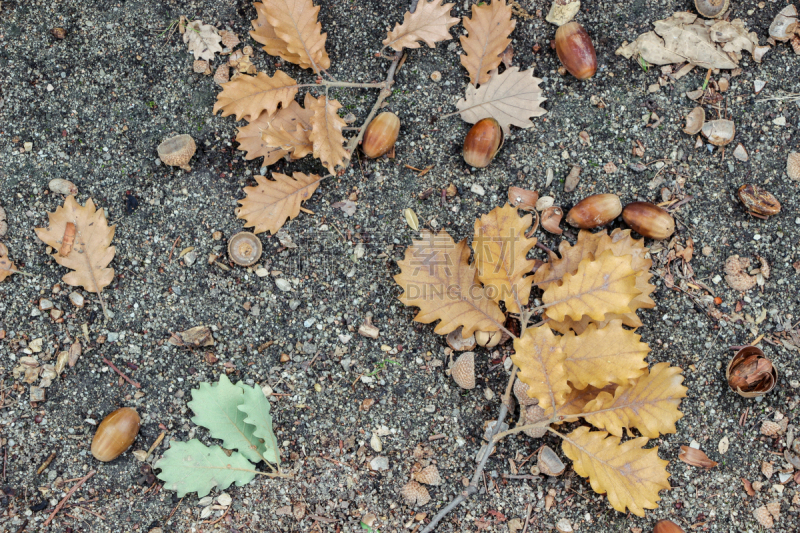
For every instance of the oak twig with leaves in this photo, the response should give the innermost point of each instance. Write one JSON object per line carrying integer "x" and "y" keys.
{"x": 593, "y": 371}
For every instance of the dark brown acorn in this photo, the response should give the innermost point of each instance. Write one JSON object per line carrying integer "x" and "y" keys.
{"x": 483, "y": 142}
{"x": 649, "y": 220}
{"x": 575, "y": 50}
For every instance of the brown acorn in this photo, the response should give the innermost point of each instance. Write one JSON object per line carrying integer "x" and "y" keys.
{"x": 115, "y": 434}
{"x": 667, "y": 526}
{"x": 750, "y": 373}
{"x": 594, "y": 211}
{"x": 576, "y": 51}
{"x": 381, "y": 134}
{"x": 649, "y": 220}
{"x": 483, "y": 142}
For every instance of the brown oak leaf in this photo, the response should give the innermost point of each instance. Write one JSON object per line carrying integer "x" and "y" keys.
{"x": 326, "y": 133}
{"x": 489, "y": 30}
{"x": 295, "y": 23}
{"x": 264, "y": 33}
{"x": 430, "y": 23}
{"x": 249, "y": 96}
{"x": 268, "y": 205}
{"x": 203, "y": 40}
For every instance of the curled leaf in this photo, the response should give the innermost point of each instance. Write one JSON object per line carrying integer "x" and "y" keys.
{"x": 695, "y": 457}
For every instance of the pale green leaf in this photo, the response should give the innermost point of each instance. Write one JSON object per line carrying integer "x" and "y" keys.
{"x": 256, "y": 407}
{"x": 216, "y": 407}
{"x": 194, "y": 467}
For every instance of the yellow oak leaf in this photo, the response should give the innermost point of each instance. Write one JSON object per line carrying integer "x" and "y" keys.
{"x": 577, "y": 399}
{"x": 262, "y": 138}
{"x": 326, "y": 133}
{"x": 489, "y": 30}
{"x": 597, "y": 357}
{"x": 629, "y": 474}
{"x": 650, "y": 404}
{"x": 436, "y": 277}
{"x": 268, "y": 205}
{"x": 605, "y": 285}
{"x": 501, "y": 250}
{"x": 571, "y": 256}
{"x": 264, "y": 33}
{"x": 249, "y": 96}
{"x": 430, "y": 23}
{"x": 295, "y": 23}
{"x": 540, "y": 359}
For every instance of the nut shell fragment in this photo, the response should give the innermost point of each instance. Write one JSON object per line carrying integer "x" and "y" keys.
{"x": 488, "y": 339}
{"x": 415, "y": 494}
{"x": 429, "y": 476}
{"x": 549, "y": 462}
{"x": 750, "y": 373}
{"x": 711, "y": 9}
{"x": 719, "y": 132}
{"x": 62, "y": 186}
{"x": 695, "y": 120}
{"x": 758, "y": 201}
{"x": 177, "y": 151}
{"x": 784, "y": 24}
{"x": 244, "y": 248}
{"x": 459, "y": 343}
{"x": 551, "y": 218}
{"x": 522, "y": 198}
{"x": 736, "y": 274}
{"x": 695, "y": 457}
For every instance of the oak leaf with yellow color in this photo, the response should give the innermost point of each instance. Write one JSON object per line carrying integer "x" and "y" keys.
{"x": 295, "y": 23}
{"x": 430, "y": 23}
{"x": 540, "y": 359}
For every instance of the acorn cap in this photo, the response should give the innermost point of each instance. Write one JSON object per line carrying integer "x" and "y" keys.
{"x": 767, "y": 469}
{"x": 521, "y": 392}
{"x": 229, "y": 39}
{"x": 533, "y": 414}
{"x": 415, "y": 494}
{"x": 428, "y": 475}
{"x": 793, "y": 166}
{"x": 549, "y": 463}
{"x": 177, "y": 151}
{"x": 463, "y": 371}
{"x": 458, "y": 343}
{"x": 244, "y": 248}
{"x": 200, "y": 66}
{"x": 223, "y": 74}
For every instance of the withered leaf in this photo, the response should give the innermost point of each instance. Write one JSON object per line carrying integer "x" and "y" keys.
{"x": 430, "y": 23}
{"x": 276, "y": 135}
{"x": 540, "y": 359}
{"x": 203, "y": 40}
{"x": 629, "y": 474}
{"x": 6, "y": 267}
{"x": 249, "y": 96}
{"x": 326, "y": 133}
{"x": 577, "y": 399}
{"x": 695, "y": 457}
{"x": 489, "y": 30}
{"x": 436, "y": 277}
{"x": 195, "y": 337}
{"x": 264, "y": 33}
{"x": 268, "y": 205}
{"x": 295, "y": 23}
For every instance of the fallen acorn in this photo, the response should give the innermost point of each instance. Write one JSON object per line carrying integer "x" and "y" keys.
{"x": 115, "y": 434}
{"x": 649, "y": 220}
{"x": 380, "y": 135}
{"x": 488, "y": 339}
{"x": 594, "y": 211}
{"x": 575, "y": 50}
{"x": 758, "y": 201}
{"x": 750, "y": 373}
{"x": 667, "y": 526}
{"x": 482, "y": 143}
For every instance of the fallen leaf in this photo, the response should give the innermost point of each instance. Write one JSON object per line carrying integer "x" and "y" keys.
{"x": 540, "y": 359}
{"x": 348, "y": 207}
{"x": 277, "y": 135}
{"x": 203, "y": 40}
{"x": 267, "y": 206}
{"x": 264, "y": 33}
{"x": 195, "y": 337}
{"x": 249, "y": 96}
{"x": 489, "y": 29}
{"x": 6, "y": 267}
{"x": 295, "y": 23}
{"x": 429, "y": 23}
{"x": 748, "y": 487}
{"x": 695, "y": 457}
{"x": 326, "y": 133}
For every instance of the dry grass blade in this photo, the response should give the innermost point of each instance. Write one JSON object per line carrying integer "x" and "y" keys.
{"x": 599, "y": 357}
{"x": 257, "y": 137}
{"x": 91, "y": 251}
{"x": 295, "y": 22}
{"x": 488, "y": 29}
{"x": 541, "y": 366}
{"x": 509, "y": 98}
{"x": 268, "y": 205}
{"x": 500, "y": 249}
{"x": 629, "y": 474}
{"x": 248, "y": 96}
{"x": 264, "y": 33}
{"x": 436, "y": 277}
{"x": 606, "y": 285}
{"x": 649, "y": 405}
{"x": 430, "y": 23}
{"x": 326, "y": 133}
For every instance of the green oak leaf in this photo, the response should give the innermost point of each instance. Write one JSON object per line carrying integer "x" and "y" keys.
{"x": 256, "y": 407}
{"x": 194, "y": 467}
{"x": 216, "y": 408}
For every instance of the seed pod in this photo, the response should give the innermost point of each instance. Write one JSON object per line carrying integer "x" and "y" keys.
{"x": 594, "y": 211}
{"x": 649, "y": 220}
{"x": 667, "y": 526}
{"x": 381, "y": 134}
{"x": 758, "y": 201}
{"x": 483, "y": 142}
{"x": 115, "y": 434}
{"x": 750, "y": 373}
{"x": 575, "y": 50}
{"x": 712, "y": 9}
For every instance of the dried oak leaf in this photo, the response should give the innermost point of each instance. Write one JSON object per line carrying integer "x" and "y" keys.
{"x": 326, "y": 133}
{"x": 694, "y": 457}
{"x": 6, "y": 267}
{"x": 430, "y": 23}
{"x": 264, "y": 33}
{"x": 489, "y": 30}
{"x": 203, "y": 40}
{"x": 436, "y": 277}
{"x": 650, "y": 404}
{"x": 599, "y": 357}
{"x": 576, "y": 400}
{"x": 249, "y": 96}
{"x": 540, "y": 359}
{"x": 91, "y": 251}
{"x": 295, "y": 23}
{"x": 604, "y": 285}
{"x": 736, "y": 273}
{"x": 629, "y": 474}
{"x": 277, "y": 135}
{"x": 268, "y": 205}
{"x": 510, "y": 98}
{"x": 501, "y": 248}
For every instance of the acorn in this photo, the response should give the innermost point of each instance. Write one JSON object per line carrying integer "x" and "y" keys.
{"x": 381, "y": 134}
{"x": 667, "y": 526}
{"x": 115, "y": 434}
{"x": 649, "y": 220}
{"x": 712, "y": 9}
{"x": 575, "y": 50}
{"x": 483, "y": 142}
{"x": 594, "y": 211}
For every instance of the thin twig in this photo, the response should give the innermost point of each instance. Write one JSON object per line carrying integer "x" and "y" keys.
{"x": 117, "y": 370}
{"x": 67, "y": 497}
{"x": 527, "y": 517}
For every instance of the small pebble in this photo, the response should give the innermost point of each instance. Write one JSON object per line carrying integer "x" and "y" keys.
{"x": 436, "y": 75}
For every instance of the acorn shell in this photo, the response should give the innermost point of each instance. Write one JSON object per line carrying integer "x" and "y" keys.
{"x": 381, "y": 134}
{"x": 115, "y": 434}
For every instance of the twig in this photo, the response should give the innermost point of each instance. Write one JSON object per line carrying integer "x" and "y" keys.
{"x": 155, "y": 445}
{"x": 67, "y": 497}
{"x": 117, "y": 370}
{"x": 173, "y": 511}
{"x": 527, "y": 517}
{"x": 173, "y": 249}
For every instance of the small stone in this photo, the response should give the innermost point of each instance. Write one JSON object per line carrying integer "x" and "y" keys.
{"x": 379, "y": 464}
{"x": 758, "y": 85}
{"x": 45, "y": 304}
{"x": 36, "y": 345}
{"x": 77, "y": 299}
{"x": 780, "y": 121}
{"x": 375, "y": 443}
{"x": 477, "y": 189}
{"x": 28, "y": 146}
{"x": 283, "y": 284}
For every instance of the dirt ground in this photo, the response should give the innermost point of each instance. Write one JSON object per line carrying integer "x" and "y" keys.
{"x": 96, "y": 104}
